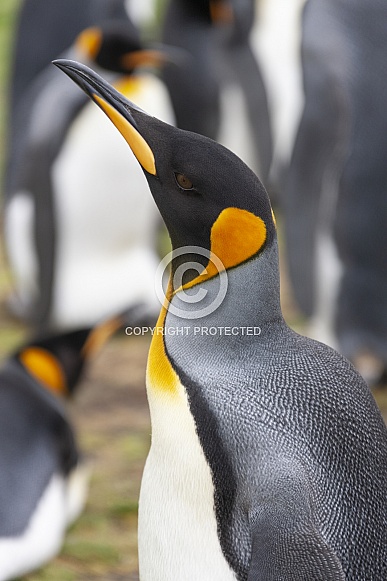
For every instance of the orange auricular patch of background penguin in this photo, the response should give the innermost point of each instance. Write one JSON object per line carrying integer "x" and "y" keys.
{"x": 89, "y": 42}
{"x": 236, "y": 236}
{"x": 45, "y": 368}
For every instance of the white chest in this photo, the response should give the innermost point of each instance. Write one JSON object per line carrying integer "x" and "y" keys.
{"x": 42, "y": 537}
{"x": 276, "y": 40}
{"x": 178, "y": 538}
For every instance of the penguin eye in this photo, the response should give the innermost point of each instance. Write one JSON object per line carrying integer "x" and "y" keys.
{"x": 183, "y": 182}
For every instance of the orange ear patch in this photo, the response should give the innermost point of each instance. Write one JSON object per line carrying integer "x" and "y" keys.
{"x": 45, "y": 368}
{"x": 136, "y": 142}
{"x": 89, "y": 42}
{"x": 142, "y": 58}
{"x": 236, "y": 236}
{"x": 221, "y": 12}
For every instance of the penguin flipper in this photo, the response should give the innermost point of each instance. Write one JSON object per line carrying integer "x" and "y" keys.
{"x": 280, "y": 550}
{"x": 286, "y": 541}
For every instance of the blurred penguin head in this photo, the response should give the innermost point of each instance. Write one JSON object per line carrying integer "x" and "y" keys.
{"x": 116, "y": 46}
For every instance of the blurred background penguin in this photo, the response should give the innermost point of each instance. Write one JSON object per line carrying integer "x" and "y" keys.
{"x": 323, "y": 68}
{"x": 43, "y": 477}
{"x": 65, "y": 192}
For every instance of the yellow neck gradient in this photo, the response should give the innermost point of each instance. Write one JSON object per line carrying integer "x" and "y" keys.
{"x": 160, "y": 373}
{"x": 129, "y": 86}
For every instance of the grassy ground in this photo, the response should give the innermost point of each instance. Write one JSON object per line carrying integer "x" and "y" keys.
{"x": 111, "y": 418}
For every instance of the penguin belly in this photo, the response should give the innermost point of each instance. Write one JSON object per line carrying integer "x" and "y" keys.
{"x": 19, "y": 216}
{"x": 77, "y": 491}
{"x": 328, "y": 277}
{"x": 234, "y": 132}
{"x": 42, "y": 537}
{"x": 276, "y": 41}
{"x": 106, "y": 218}
{"x": 177, "y": 530}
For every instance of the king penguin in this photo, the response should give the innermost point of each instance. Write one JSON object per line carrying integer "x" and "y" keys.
{"x": 43, "y": 478}
{"x": 268, "y": 458}
{"x": 75, "y": 256}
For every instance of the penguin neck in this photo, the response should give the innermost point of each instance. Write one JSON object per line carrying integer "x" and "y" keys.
{"x": 252, "y": 298}
{"x": 189, "y": 13}
{"x": 245, "y": 319}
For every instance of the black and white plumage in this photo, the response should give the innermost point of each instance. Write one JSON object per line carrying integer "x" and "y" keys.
{"x": 246, "y": 125}
{"x": 58, "y": 168}
{"x": 43, "y": 482}
{"x": 276, "y": 43}
{"x": 269, "y": 455}
{"x": 43, "y": 477}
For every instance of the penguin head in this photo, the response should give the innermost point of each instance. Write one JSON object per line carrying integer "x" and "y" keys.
{"x": 212, "y": 12}
{"x": 236, "y": 18}
{"x": 116, "y": 46}
{"x": 57, "y": 361}
{"x": 206, "y": 195}
{"x": 221, "y": 12}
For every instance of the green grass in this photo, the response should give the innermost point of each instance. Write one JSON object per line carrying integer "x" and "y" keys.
{"x": 54, "y": 573}
{"x": 8, "y": 11}
{"x": 78, "y": 549}
{"x": 10, "y": 338}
